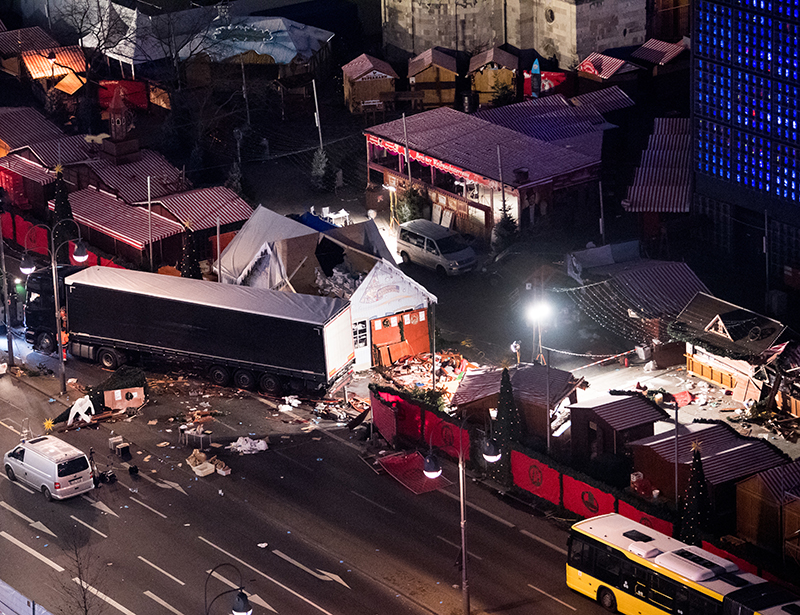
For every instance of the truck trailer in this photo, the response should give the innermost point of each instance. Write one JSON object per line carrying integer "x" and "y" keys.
{"x": 248, "y": 336}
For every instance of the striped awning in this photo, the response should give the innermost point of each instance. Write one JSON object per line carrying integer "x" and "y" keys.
{"x": 130, "y": 179}
{"x": 14, "y": 42}
{"x": 658, "y": 52}
{"x": 603, "y": 66}
{"x": 65, "y": 61}
{"x": 200, "y": 209}
{"x": 110, "y": 216}
{"x": 27, "y": 169}
{"x": 663, "y": 181}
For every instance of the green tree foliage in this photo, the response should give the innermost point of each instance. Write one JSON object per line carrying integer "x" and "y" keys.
{"x": 321, "y": 171}
{"x": 503, "y": 94}
{"x": 411, "y": 205}
{"x": 507, "y": 430}
{"x": 696, "y": 505}
{"x": 62, "y": 210}
{"x": 190, "y": 264}
{"x": 505, "y": 232}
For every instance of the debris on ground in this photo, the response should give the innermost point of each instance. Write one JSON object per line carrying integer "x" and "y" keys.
{"x": 246, "y": 445}
{"x": 415, "y": 371}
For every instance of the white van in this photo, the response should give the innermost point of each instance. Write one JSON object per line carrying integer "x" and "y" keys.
{"x": 434, "y": 246}
{"x": 52, "y": 466}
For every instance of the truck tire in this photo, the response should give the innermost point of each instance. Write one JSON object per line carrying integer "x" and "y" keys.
{"x": 10, "y": 473}
{"x": 270, "y": 384}
{"x": 244, "y": 379}
{"x": 109, "y": 358}
{"x": 45, "y": 343}
{"x": 46, "y": 492}
{"x": 219, "y": 375}
{"x": 296, "y": 385}
{"x": 405, "y": 257}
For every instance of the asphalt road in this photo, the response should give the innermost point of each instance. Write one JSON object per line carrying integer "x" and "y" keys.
{"x": 311, "y": 527}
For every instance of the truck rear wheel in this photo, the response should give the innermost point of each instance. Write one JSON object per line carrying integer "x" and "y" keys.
{"x": 46, "y": 343}
{"x": 244, "y": 379}
{"x": 109, "y": 358}
{"x": 269, "y": 383}
{"x": 219, "y": 375}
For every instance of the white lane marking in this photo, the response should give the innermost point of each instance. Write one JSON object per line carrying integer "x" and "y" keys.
{"x": 37, "y": 525}
{"x": 294, "y": 461}
{"x": 163, "y": 603}
{"x": 366, "y": 499}
{"x": 35, "y": 554}
{"x": 9, "y": 427}
{"x": 162, "y": 571}
{"x": 10, "y": 508}
{"x": 254, "y": 598}
{"x": 544, "y": 542}
{"x": 452, "y": 544}
{"x": 96, "y": 531}
{"x": 322, "y": 575}
{"x": 269, "y": 578}
{"x": 149, "y": 508}
{"x": 100, "y": 506}
{"x": 480, "y": 510}
{"x": 19, "y": 485}
{"x": 102, "y": 596}
{"x": 339, "y": 439}
{"x": 541, "y": 591}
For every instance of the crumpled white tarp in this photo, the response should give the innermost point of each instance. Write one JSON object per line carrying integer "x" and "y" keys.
{"x": 248, "y": 445}
{"x": 82, "y": 409}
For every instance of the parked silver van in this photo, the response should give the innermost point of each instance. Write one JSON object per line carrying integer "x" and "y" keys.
{"x": 434, "y": 246}
{"x": 52, "y": 466}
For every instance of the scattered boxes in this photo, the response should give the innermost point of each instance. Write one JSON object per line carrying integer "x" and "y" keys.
{"x": 113, "y": 442}
{"x": 123, "y": 450}
{"x": 204, "y": 469}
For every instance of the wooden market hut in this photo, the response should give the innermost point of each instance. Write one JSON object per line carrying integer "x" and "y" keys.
{"x": 365, "y": 79}
{"x": 434, "y": 72}
{"x": 479, "y": 392}
{"x": 605, "y": 424}
{"x": 491, "y": 69}
{"x": 728, "y": 458}
{"x": 768, "y": 509}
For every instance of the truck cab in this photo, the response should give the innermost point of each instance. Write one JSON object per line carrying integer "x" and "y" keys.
{"x": 40, "y": 308}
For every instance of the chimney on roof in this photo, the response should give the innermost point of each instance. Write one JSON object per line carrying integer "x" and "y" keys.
{"x": 521, "y": 175}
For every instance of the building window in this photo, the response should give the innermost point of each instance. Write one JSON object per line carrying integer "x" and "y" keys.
{"x": 360, "y": 334}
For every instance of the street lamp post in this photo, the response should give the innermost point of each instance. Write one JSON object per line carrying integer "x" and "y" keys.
{"x": 536, "y": 314}
{"x": 241, "y": 605}
{"x": 27, "y": 266}
{"x": 432, "y": 469}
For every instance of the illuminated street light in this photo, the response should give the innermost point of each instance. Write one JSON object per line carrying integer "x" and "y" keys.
{"x": 27, "y": 266}
{"x": 537, "y": 312}
{"x": 432, "y": 469}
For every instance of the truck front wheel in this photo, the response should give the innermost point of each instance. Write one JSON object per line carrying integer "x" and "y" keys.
{"x": 244, "y": 379}
{"x": 46, "y": 343}
{"x": 219, "y": 375}
{"x": 109, "y": 358}
{"x": 269, "y": 383}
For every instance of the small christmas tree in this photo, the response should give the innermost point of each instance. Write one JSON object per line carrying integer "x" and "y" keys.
{"x": 506, "y": 430}
{"x": 411, "y": 205}
{"x": 62, "y": 210}
{"x": 696, "y": 505}
{"x": 505, "y": 231}
{"x": 321, "y": 171}
{"x": 190, "y": 265}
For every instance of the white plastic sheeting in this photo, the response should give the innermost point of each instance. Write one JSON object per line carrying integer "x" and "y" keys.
{"x": 301, "y": 308}
{"x": 257, "y": 237}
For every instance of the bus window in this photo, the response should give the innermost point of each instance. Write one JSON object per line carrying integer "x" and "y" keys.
{"x": 662, "y": 591}
{"x": 634, "y": 579}
{"x": 579, "y": 554}
{"x": 607, "y": 566}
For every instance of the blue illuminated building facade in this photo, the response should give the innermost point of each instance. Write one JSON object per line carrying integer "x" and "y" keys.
{"x": 746, "y": 62}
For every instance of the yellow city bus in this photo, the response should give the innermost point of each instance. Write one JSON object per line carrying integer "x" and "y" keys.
{"x": 633, "y": 569}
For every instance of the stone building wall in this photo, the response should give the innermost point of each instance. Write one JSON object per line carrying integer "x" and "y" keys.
{"x": 568, "y": 30}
